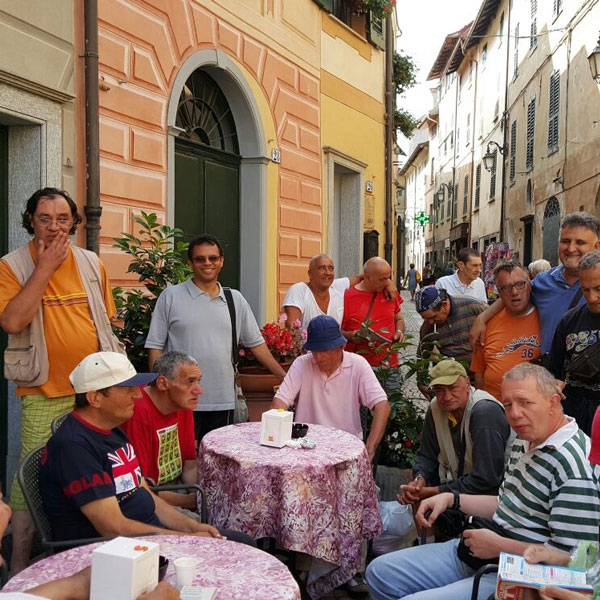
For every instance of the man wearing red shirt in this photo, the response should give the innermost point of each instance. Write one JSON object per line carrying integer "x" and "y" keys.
{"x": 370, "y": 318}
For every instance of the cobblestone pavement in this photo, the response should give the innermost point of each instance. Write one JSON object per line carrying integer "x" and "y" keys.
{"x": 413, "y": 324}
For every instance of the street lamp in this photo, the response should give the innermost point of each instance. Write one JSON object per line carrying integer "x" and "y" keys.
{"x": 440, "y": 196}
{"x": 594, "y": 60}
{"x": 489, "y": 157}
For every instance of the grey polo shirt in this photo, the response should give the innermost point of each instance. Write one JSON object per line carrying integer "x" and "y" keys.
{"x": 189, "y": 320}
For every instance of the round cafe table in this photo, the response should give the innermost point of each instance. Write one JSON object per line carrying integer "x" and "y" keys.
{"x": 321, "y": 502}
{"x": 236, "y": 570}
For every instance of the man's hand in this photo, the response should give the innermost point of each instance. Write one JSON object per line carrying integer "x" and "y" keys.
{"x": 390, "y": 291}
{"x": 411, "y": 492}
{"x": 483, "y": 543}
{"x": 536, "y": 553}
{"x": 53, "y": 255}
{"x": 554, "y": 593}
{"x": 477, "y": 334}
{"x": 204, "y": 530}
{"x": 399, "y": 336}
{"x": 437, "y": 505}
{"x": 163, "y": 591}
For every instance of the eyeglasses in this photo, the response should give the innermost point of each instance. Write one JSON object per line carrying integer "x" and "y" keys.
{"x": 46, "y": 221}
{"x": 200, "y": 260}
{"x": 518, "y": 285}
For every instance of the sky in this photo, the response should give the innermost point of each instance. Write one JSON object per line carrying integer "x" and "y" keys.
{"x": 424, "y": 25}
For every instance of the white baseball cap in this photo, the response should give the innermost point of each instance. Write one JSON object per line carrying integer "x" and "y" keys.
{"x": 105, "y": 369}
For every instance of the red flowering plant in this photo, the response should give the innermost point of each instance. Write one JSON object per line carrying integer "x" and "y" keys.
{"x": 379, "y": 8}
{"x": 285, "y": 343}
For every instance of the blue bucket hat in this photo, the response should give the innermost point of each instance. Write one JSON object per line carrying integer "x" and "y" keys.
{"x": 427, "y": 298}
{"x": 324, "y": 334}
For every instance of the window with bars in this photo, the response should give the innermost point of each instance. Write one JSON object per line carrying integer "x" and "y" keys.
{"x": 553, "y": 110}
{"x": 513, "y": 151}
{"x": 477, "y": 185}
{"x": 493, "y": 175}
{"x": 533, "y": 26}
{"x": 516, "y": 54}
{"x": 466, "y": 196}
{"x": 530, "y": 134}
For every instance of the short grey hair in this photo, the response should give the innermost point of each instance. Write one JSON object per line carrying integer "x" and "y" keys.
{"x": 509, "y": 266}
{"x": 582, "y": 219}
{"x": 539, "y": 266}
{"x": 169, "y": 363}
{"x": 545, "y": 381}
{"x": 590, "y": 261}
{"x": 317, "y": 257}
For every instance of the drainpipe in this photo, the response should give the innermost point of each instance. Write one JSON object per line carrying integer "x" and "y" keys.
{"x": 92, "y": 208}
{"x": 505, "y": 119}
{"x": 389, "y": 136}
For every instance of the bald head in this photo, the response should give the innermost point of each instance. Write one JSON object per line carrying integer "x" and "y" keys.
{"x": 377, "y": 272}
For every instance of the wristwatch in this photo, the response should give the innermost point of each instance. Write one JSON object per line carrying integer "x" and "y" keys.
{"x": 456, "y": 503}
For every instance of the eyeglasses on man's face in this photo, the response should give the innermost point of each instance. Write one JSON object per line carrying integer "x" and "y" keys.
{"x": 213, "y": 259}
{"x": 517, "y": 285}
{"x": 46, "y": 221}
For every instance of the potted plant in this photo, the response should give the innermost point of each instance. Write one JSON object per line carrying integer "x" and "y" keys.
{"x": 378, "y": 8}
{"x": 285, "y": 344}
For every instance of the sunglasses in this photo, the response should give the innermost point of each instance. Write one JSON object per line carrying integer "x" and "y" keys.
{"x": 213, "y": 259}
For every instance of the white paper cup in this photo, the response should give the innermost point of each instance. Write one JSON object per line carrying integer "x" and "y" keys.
{"x": 185, "y": 570}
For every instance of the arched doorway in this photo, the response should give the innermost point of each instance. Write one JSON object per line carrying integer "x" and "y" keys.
{"x": 551, "y": 227}
{"x": 207, "y": 164}
{"x": 252, "y": 182}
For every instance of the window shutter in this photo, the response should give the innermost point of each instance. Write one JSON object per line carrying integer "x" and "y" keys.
{"x": 477, "y": 185}
{"x": 326, "y": 4}
{"x": 530, "y": 134}
{"x": 376, "y": 30}
{"x": 513, "y": 150}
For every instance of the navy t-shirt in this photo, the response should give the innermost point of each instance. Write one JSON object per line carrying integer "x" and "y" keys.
{"x": 82, "y": 463}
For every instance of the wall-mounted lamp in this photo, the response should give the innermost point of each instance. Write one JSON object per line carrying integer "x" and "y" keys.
{"x": 489, "y": 157}
{"x": 440, "y": 196}
{"x": 594, "y": 60}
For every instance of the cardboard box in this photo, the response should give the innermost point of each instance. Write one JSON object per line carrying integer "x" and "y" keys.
{"x": 519, "y": 580}
{"x": 276, "y": 427}
{"x": 124, "y": 568}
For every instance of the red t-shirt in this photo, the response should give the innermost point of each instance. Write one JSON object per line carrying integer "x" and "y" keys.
{"x": 382, "y": 320}
{"x": 162, "y": 442}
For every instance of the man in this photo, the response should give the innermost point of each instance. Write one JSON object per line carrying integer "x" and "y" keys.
{"x": 578, "y": 330}
{"x": 549, "y": 495}
{"x": 162, "y": 426}
{"x": 193, "y": 317}
{"x": 465, "y": 281}
{"x": 367, "y": 309}
{"x": 328, "y": 385}
{"x": 464, "y": 439}
{"x": 556, "y": 291}
{"x": 445, "y": 331}
{"x": 56, "y": 298}
{"x": 427, "y": 274}
{"x": 513, "y": 335}
{"x": 90, "y": 479}
{"x": 322, "y": 295}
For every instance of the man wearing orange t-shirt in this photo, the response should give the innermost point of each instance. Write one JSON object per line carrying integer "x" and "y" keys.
{"x": 69, "y": 331}
{"x": 513, "y": 335}
{"x": 370, "y": 318}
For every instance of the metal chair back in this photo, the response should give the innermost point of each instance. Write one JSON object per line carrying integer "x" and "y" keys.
{"x": 55, "y": 425}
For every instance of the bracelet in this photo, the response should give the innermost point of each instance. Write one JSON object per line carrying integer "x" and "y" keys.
{"x": 420, "y": 476}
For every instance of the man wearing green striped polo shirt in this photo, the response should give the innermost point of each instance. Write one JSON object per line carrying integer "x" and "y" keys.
{"x": 549, "y": 496}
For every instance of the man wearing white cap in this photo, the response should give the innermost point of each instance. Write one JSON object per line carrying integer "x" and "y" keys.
{"x": 90, "y": 479}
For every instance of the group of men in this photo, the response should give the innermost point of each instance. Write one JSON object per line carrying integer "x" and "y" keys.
{"x": 50, "y": 290}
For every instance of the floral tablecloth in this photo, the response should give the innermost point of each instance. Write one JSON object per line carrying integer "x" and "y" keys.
{"x": 236, "y": 570}
{"x": 322, "y": 502}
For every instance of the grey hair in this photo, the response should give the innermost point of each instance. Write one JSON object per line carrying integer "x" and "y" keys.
{"x": 169, "y": 363}
{"x": 582, "y": 219}
{"x": 545, "y": 381}
{"x": 539, "y": 266}
{"x": 509, "y": 266}
{"x": 317, "y": 257}
{"x": 590, "y": 261}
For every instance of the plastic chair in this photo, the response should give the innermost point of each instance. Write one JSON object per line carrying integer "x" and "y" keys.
{"x": 54, "y": 426}
{"x": 28, "y": 477}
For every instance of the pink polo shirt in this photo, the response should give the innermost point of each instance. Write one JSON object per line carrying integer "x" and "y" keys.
{"x": 332, "y": 401}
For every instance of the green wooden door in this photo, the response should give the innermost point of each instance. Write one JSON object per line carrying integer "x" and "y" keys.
{"x": 207, "y": 200}
{"x": 3, "y": 250}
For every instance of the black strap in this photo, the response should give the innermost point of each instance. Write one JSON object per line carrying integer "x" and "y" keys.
{"x": 234, "y": 345}
{"x": 576, "y": 298}
{"x": 366, "y": 321}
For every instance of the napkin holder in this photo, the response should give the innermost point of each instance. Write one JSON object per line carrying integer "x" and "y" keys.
{"x": 124, "y": 568}
{"x": 276, "y": 427}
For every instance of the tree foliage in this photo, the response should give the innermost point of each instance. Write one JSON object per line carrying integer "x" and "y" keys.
{"x": 404, "y": 77}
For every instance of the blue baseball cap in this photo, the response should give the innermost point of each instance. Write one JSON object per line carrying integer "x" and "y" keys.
{"x": 427, "y": 298}
{"x": 324, "y": 334}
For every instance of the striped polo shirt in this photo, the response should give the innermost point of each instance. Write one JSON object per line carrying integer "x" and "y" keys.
{"x": 550, "y": 494}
